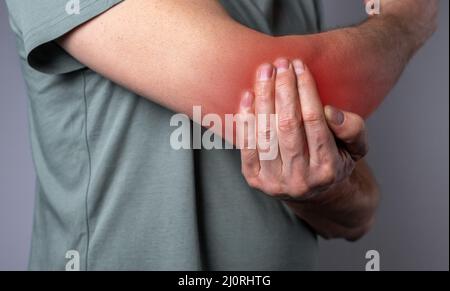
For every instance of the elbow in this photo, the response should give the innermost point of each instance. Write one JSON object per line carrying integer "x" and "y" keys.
{"x": 351, "y": 234}
{"x": 366, "y": 219}
{"x": 366, "y": 223}
{"x": 358, "y": 233}
{"x": 361, "y": 223}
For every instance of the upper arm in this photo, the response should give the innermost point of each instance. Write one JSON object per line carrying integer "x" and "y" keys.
{"x": 176, "y": 53}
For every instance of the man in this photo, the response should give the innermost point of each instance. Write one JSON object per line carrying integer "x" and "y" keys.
{"x": 110, "y": 187}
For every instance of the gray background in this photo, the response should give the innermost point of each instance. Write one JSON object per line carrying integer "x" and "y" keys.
{"x": 409, "y": 155}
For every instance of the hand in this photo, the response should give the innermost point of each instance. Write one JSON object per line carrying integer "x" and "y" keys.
{"x": 310, "y": 161}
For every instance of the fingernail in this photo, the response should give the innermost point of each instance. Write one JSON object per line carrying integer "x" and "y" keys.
{"x": 299, "y": 67}
{"x": 334, "y": 115}
{"x": 265, "y": 72}
{"x": 247, "y": 100}
{"x": 282, "y": 65}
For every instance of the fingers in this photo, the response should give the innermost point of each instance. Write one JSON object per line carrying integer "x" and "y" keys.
{"x": 291, "y": 137}
{"x": 350, "y": 129}
{"x": 302, "y": 131}
{"x": 320, "y": 141}
{"x": 247, "y": 137}
{"x": 267, "y": 141}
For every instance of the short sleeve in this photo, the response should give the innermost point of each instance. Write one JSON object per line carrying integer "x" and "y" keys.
{"x": 319, "y": 13}
{"x": 40, "y": 22}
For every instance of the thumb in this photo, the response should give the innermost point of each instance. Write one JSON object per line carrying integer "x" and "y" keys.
{"x": 350, "y": 129}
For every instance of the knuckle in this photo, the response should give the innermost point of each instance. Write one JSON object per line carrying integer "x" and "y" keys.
{"x": 295, "y": 184}
{"x": 263, "y": 90}
{"x": 299, "y": 190}
{"x": 288, "y": 124}
{"x": 292, "y": 147}
{"x": 285, "y": 83}
{"x": 265, "y": 134}
{"x": 249, "y": 172}
{"x": 313, "y": 118}
{"x": 328, "y": 176}
{"x": 250, "y": 158}
{"x": 253, "y": 182}
{"x": 274, "y": 190}
{"x": 320, "y": 140}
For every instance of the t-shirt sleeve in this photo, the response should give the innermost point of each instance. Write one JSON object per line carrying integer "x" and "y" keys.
{"x": 41, "y": 22}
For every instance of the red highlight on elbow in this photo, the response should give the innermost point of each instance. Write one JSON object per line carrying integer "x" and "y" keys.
{"x": 342, "y": 86}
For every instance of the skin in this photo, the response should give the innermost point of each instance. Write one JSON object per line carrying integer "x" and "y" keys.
{"x": 312, "y": 168}
{"x": 161, "y": 50}
{"x": 185, "y": 53}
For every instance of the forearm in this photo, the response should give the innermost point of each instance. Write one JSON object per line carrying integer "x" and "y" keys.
{"x": 345, "y": 211}
{"x": 355, "y": 67}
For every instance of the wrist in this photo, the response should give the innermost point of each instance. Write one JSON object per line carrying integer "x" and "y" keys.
{"x": 325, "y": 197}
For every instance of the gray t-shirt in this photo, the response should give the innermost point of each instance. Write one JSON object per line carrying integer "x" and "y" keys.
{"x": 109, "y": 185}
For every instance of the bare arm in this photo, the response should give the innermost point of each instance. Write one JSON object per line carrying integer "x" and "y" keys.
{"x": 345, "y": 211}
{"x": 319, "y": 170}
{"x": 185, "y": 53}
